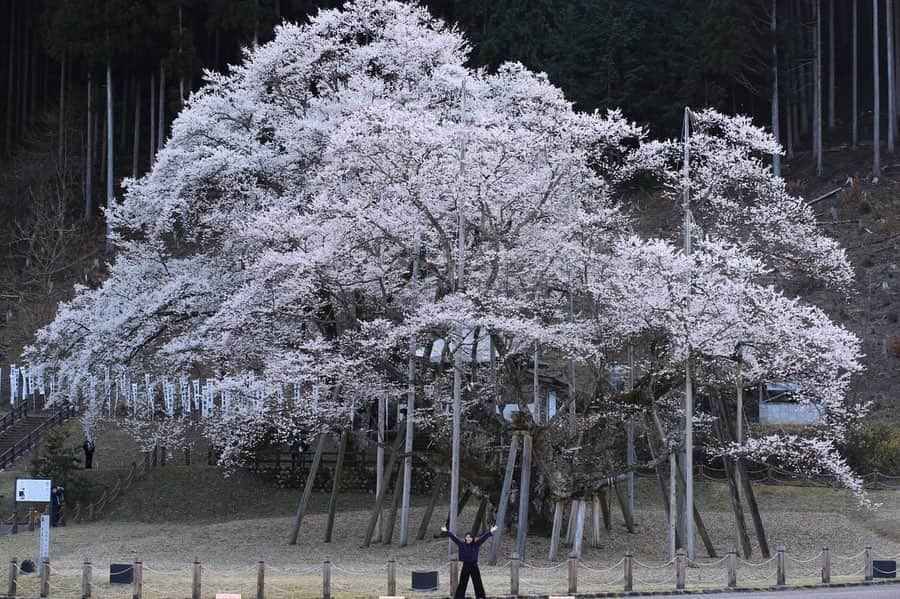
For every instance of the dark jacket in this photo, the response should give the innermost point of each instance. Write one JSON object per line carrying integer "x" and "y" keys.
{"x": 468, "y": 552}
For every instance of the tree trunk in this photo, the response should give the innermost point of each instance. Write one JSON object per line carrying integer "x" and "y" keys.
{"x": 152, "y": 110}
{"x": 10, "y": 79}
{"x": 817, "y": 94}
{"x": 854, "y": 68}
{"x": 62, "y": 111}
{"x": 876, "y": 98}
{"x": 161, "y": 120}
{"x": 776, "y": 157}
{"x": 110, "y": 160}
{"x": 892, "y": 116}
{"x": 379, "y": 462}
{"x": 89, "y": 159}
{"x": 831, "y": 82}
{"x": 136, "y": 141}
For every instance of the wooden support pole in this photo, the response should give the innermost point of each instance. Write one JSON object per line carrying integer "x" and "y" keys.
{"x": 524, "y": 495}
{"x": 732, "y": 568}
{"x": 826, "y": 565}
{"x": 326, "y": 578}
{"x": 623, "y": 505}
{"x": 307, "y": 490}
{"x": 869, "y": 567}
{"x": 497, "y": 539}
{"x": 467, "y": 494}
{"x": 454, "y": 575}
{"x": 15, "y": 523}
{"x": 379, "y": 498}
{"x": 395, "y": 506}
{"x": 573, "y": 573}
{"x": 336, "y": 484}
{"x": 604, "y": 510}
{"x": 595, "y": 521}
{"x": 261, "y": 580}
{"x": 680, "y": 565}
{"x": 429, "y": 511}
{"x": 195, "y": 584}
{"x": 514, "y": 574}
{"x": 137, "y": 587}
{"x": 698, "y": 520}
{"x": 479, "y": 516}
{"x": 45, "y": 577}
{"x": 629, "y": 572}
{"x": 570, "y": 523}
{"x": 754, "y": 510}
{"x": 579, "y": 527}
{"x": 557, "y": 526}
{"x": 392, "y": 577}
{"x": 11, "y": 588}
{"x": 780, "y": 566}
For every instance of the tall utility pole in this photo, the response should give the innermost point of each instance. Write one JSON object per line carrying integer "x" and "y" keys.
{"x": 110, "y": 160}
{"x": 776, "y": 157}
{"x": 410, "y": 407}
{"x": 892, "y": 108}
{"x": 457, "y": 354}
{"x": 876, "y": 98}
{"x": 831, "y": 82}
{"x": 817, "y": 94}
{"x": 688, "y": 387}
{"x": 854, "y": 59}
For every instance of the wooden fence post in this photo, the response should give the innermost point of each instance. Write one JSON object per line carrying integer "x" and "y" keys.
{"x": 454, "y": 575}
{"x": 679, "y": 569}
{"x": 392, "y": 577}
{"x": 732, "y": 567}
{"x": 86, "y": 571}
{"x": 629, "y": 576}
{"x": 13, "y": 575}
{"x": 137, "y": 588}
{"x": 870, "y": 571}
{"x": 573, "y": 573}
{"x": 195, "y": 586}
{"x": 45, "y": 577}
{"x": 514, "y": 574}
{"x": 557, "y": 528}
{"x": 261, "y": 580}
{"x": 326, "y": 578}
{"x": 781, "y": 566}
{"x": 826, "y": 565}
{"x": 15, "y": 523}
{"x": 31, "y": 517}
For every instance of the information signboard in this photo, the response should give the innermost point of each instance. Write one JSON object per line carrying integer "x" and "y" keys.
{"x": 35, "y": 490}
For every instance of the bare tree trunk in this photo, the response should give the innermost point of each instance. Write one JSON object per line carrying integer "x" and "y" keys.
{"x": 817, "y": 94}
{"x": 854, "y": 60}
{"x": 110, "y": 160}
{"x": 10, "y": 80}
{"x": 161, "y": 120}
{"x": 89, "y": 159}
{"x": 776, "y": 157}
{"x": 831, "y": 82}
{"x": 892, "y": 114}
{"x": 62, "y": 110}
{"x": 876, "y": 98}
{"x": 152, "y": 110}
{"x": 136, "y": 142}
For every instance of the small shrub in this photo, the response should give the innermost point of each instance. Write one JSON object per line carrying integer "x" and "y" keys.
{"x": 874, "y": 446}
{"x": 61, "y": 464}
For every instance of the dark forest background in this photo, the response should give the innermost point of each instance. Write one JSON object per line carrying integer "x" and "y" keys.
{"x": 62, "y": 60}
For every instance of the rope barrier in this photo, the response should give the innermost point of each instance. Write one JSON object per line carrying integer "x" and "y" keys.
{"x": 696, "y": 564}
{"x": 651, "y": 566}
{"x": 849, "y": 557}
{"x": 532, "y": 567}
{"x": 751, "y": 579}
{"x": 758, "y": 564}
{"x": 601, "y": 570}
{"x": 805, "y": 561}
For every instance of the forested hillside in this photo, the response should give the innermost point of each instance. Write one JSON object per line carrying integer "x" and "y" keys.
{"x": 91, "y": 87}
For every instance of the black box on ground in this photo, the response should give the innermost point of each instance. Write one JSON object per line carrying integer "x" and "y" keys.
{"x": 121, "y": 574}
{"x": 425, "y": 580}
{"x": 884, "y": 568}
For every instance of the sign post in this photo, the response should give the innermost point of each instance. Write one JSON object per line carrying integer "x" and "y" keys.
{"x": 45, "y": 538}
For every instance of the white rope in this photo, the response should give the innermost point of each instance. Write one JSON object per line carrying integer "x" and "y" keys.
{"x": 696, "y": 564}
{"x": 888, "y": 556}
{"x": 806, "y": 561}
{"x": 758, "y": 564}
{"x": 752, "y": 579}
{"x": 654, "y": 582}
{"x": 532, "y": 567}
{"x": 358, "y": 572}
{"x": 849, "y": 557}
{"x": 652, "y": 567}
{"x": 602, "y": 570}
